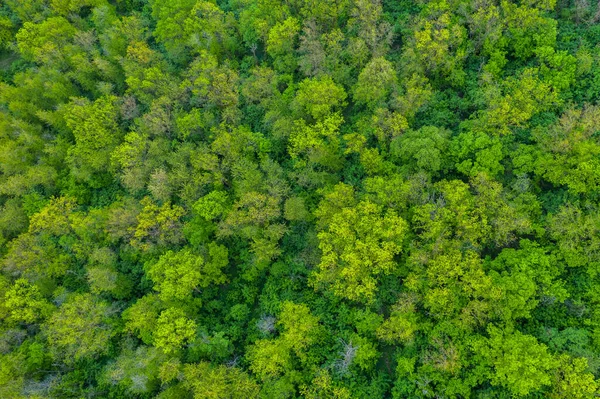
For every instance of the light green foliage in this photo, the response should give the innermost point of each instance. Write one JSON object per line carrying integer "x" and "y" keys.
{"x": 300, "y": 329}
{"x": 177, "y": 275}
{"x": 136, "y": 371}
{"x": 455, "y": 285}
{"x": 54, "y": 218}
{"x": 269, "y": 358}
{"x": 66, "y": 7}
{"x": 295, "y": 209}
{"x": 45, "y": 42}
{"x": 217, "y": 86}
{"x": 140, "y": 318}
{"x": 575, "y": 233}
{"x": 375, "y": 82}
{"x": 366, "y": 352}
{"x": 79, "y": 328}
{"x": 440, "y": 47}
{"x": 173, "y": 330}
{"x": 323, "y": 386}
{"x": 13, "y": 219}
{"x": 106, "y": 279}
{"x": 573, "y": 380}
{"x": 281, "y": 42}
{"x": 255, "y": 217}
{"x": 6, "y": 34}
{"x": 417, "y": 93}
{"x": 220, "y": 382}
{"x": 25, "y": 303}
{"x": 524, "y": 275}
{"x": 527, "y": 29}
{"x": 358, "y": 244}
{"x": 388, "y": 125}
{"x": 518, "y": 361}
{"x": 525, "y": 96}
{"x": 218, "y": 32}
{"x": 402, "y": 324}
{"x": 146, "y": 73}
{"x": 318, "y": 143}
{"x": 372, "y": 31}
{"x": 157, "y": 225}
{"x": 319, "y": 97}
{"x": 558, "y": 67}
{"x": 36, "y": 253}
{"x": 96, "y": 133}
{"x": 171, "y": 17}
{"x": 568, "y": 151}
{"x": 11, "y": 375}
{"x": 473, "y": 220}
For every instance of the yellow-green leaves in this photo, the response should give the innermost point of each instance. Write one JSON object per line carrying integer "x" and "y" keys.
{"x": 403, "y": 322}
{"x": 572, "y": 379}
{"x": 177, "y": 275}
{"x": 423, "y": 149}
{"x": 157, "y": 225}
{"x": 527, "y": 29}
{"x": 94, "y": 126}
{"x": 440, "y": 47}
{"x": 359, "y": 243}
{"x": 319, "y": 97}
{"x": 25, "y": 303}
{"x": 300, "y": 330}
{"x": 79, "y": 328}
{"x": 281, "y": 44}
{"x": 173, "y": 330}
{"x": 140, "y": 318}
{"x": 567, "y": 152}
{"x": 317, "y": 144}
{"x": 375, "y": 82}
{"x": 6, "y": 31}
{"x": 218, "y": 382}
{"x": 45, "y": 42}
{"x": 519, "y": 362}
{"x": 171, "y": 17}
{"x": 255, "y": 217}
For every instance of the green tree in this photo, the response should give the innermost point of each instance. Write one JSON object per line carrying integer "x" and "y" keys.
{"x": 518, "y": 361}
{"x": 157, "y": 225}
{"x": 140, "y": 318}
{"x": 173, "y": 330}
{"x": 281, "y": 43}
{"x": 220, "y": 382}
{"x": 359, "y": 243}
{"x": 572, "y": 379}
{"x": 319, "y": 97}
{"x": 26, "y": 303}
{"x": 96, "y": 134}
{"x": 170, "y": 24}
{"x": 135, "y": 370}
{"x": 80, "y": 328}
{"x": 177, "y": 275}
{"x": 300, "y": 330}
{"x": 375, "y": 83}
{"x": 422, "y": 149}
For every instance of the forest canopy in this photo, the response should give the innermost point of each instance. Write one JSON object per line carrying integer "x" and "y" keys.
{"x": 244, "y": 199}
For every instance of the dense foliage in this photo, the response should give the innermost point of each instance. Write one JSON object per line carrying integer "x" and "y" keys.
{"x": 299, "y": 199}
